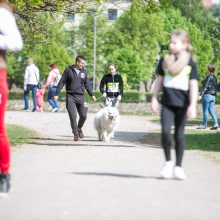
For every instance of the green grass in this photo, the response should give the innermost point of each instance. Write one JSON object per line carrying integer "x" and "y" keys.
{"x": 204, "y": 140}
{"x": 19, "y": 134}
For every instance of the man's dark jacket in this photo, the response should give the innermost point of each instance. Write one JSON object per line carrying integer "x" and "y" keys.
{"x": 75, "y": 83}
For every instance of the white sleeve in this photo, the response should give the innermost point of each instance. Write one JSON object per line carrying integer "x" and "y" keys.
{"x": 26, "y": 76}
{"x": 10, "y": 37}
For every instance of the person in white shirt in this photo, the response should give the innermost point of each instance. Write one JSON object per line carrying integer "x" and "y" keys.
{"x": 31, "y": 79}
{"x": 10, "y": 39}
{"x": 51, "y": 83}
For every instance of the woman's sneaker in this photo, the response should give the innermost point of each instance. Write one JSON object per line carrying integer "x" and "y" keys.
{"x": 215, "y": 127}
{"x": 179, "y": 173}
{"x": 167, "y": 170}
{"x": 81, "y": 135}
{"x": 202, "y": 127}
{"x": 55, "y": 110}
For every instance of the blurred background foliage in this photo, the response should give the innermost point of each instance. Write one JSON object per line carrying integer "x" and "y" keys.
{"x": 134, "y": 42}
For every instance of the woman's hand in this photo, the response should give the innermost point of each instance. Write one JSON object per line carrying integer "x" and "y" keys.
{"x": 191, "y": 112}
{"x": 154, "y": 105}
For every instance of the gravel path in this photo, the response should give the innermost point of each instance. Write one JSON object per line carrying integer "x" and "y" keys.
{"x": 55, "y": 178}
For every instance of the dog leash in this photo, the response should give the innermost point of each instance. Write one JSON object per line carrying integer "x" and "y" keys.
{"x": 99, "y": 97}
{"x": 99, "y": 103}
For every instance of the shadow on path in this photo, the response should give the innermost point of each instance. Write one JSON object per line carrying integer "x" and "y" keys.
{"x": 118, "y": 175}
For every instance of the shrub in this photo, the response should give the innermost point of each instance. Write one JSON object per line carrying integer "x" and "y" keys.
{"x": 128, "y": 96}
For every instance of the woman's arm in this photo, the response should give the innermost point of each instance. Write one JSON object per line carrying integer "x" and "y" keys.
{"x": 10, "y": 38}
{"x": 157, "y": 87}
{"x": 193, "y": 94}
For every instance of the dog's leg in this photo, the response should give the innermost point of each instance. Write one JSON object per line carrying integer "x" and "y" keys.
{"x": 104, "y": 135}
{"x": 100, "y": 135}
{"x": 113, "y": 134}
{"x": 108, "y": 136}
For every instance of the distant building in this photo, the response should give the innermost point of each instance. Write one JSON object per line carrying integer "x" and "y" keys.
{"x": 112, "y": 9}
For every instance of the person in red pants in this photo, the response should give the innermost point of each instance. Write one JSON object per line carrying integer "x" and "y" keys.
{"x": 10, "y": 39}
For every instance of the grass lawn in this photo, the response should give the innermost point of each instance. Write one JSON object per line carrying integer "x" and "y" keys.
{"x": 19, "y": 134}
{"x": 206, "y": 141}
{"x": 195, "y": 140}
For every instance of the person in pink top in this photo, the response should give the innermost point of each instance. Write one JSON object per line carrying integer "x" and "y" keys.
{"x": 40, "y": 99}
{"x": 51, "y": 83}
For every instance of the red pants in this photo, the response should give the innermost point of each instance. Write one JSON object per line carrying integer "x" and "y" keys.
{"x": 4, "y": 142}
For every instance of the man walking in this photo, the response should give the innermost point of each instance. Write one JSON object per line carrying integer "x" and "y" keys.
{"x": 76, "y": 81}
{"x": 31, "y": 79}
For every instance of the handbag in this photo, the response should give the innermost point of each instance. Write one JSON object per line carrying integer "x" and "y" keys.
{"x": 39, "y": 86}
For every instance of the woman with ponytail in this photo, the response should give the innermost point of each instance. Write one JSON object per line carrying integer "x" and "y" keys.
{"x": 178, "y": 77}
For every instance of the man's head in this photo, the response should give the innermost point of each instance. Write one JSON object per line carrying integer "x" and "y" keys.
{"x": 30, "y": 61}
{"x": 80, "y": 62}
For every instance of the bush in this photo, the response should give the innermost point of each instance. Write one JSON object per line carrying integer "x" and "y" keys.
{"x": 128, "y": 96}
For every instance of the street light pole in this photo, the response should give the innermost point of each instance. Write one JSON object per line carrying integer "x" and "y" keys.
{"x": 94, "y": 61}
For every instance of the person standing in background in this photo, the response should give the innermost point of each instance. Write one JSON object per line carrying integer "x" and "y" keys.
{"x": 10, "y": 39}
{"x": 178, "y": 77}
{"x": 31, "y": 79}
{"x": 51, "y": 83}
{"x": 209, "y": 91}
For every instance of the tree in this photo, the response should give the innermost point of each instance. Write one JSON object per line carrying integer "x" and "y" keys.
{"x": 197, "y": 14}
{"x": 136, "y": 33}
{"x": 43, "y": 54}
{"x": 34, "y": 16}
{"x": 202, "y": 44}
{"x": 85, "y": 42}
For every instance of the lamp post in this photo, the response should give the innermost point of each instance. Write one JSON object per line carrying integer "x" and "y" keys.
{"x": 94, "y": 53}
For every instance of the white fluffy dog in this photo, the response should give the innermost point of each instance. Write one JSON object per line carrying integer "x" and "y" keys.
{"x": 106, "y": 121}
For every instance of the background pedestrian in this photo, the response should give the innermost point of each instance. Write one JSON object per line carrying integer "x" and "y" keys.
{"x": 51, "y": 83}
{"x": 31, "y": 80}
{"x": 209, "y": 91}
{"x": 76, "y": 81}
{"x": 111, "y": 87}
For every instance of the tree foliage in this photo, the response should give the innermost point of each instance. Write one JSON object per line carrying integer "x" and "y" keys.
{"x": 133, "y": 41}
{"x": 197, "y": 14}
{"x": 36, "y": 16}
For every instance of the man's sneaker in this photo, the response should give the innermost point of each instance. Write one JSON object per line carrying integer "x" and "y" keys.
{"x": 4, "y": 183}
{"x": 167, "y": 170}
{"x": 179, "y": 173}
{"x": 202, "y": 127}
{"x": 80, "y": 133}
{"x": 25, "y": 110}
{"x": 215, "y": 127}
{"x": 55, "y": 110}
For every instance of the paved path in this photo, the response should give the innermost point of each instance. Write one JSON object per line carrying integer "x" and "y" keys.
{"x": 57, "y": 179}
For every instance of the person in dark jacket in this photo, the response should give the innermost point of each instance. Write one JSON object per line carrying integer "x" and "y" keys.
{"x": 76, "y": 81}
{"x": 209, "y": 90}
{"x": 111, "y": 87}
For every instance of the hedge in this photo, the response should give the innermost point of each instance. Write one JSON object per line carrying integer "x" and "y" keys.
{"x": 128, "y": 96}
